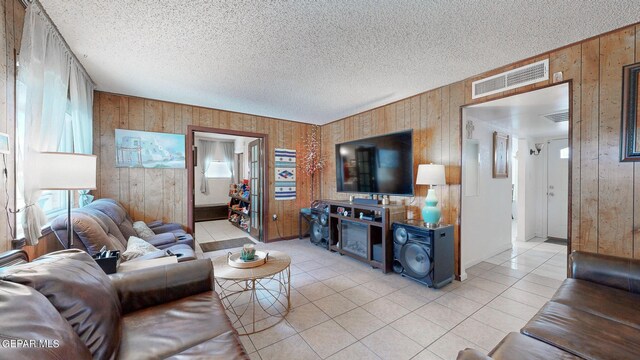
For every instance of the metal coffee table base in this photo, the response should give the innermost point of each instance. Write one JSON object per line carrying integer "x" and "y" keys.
{"x": 265, "y": 300}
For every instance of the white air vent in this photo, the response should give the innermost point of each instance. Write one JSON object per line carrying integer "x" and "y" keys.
{"x": 525, "y": 75}
{"x": 558, "y": 117}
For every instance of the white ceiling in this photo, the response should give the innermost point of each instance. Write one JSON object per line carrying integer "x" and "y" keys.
{"x": 314, "y": 61}
{"x": 523, "y": 115}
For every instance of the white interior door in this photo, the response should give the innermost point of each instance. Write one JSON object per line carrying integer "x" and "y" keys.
{"x": 557, "y": 188}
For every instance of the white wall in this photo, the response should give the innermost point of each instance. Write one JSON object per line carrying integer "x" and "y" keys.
{"x": 533, "y": 190}
{"x": 528, "y": 186}
{"x": 486, "y": 218}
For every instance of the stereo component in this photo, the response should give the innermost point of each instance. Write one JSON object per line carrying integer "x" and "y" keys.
{"x": 423, "y": 254}
{"x": 319, "y": 224}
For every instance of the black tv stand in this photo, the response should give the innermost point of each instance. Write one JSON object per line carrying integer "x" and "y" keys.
{"x": 365, "y": 201}
{"x": 365, "y": 237}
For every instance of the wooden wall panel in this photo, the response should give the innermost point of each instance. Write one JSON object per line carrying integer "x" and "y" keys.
{"x": 605, "y": 194}
{"x": 151, "y": 194}
{"x": 615, "y": 185}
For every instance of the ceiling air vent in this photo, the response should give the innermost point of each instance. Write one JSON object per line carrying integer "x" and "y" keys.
{"x": 558, "y": 117}
{"x": 525, "y": 75}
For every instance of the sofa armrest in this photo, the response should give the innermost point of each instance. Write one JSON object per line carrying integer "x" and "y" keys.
{"x": 162, "y": 239}
{"x": 471, "y": 354}
{"x": 13, "y": 257}
{"x": 616, "y": 272}
{"x": 159, "y": 227}
{"x": 154, "y": 223}
{"x": 161, "y": 284}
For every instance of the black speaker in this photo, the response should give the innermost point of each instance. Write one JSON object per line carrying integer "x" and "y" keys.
{"x": 319, "y": 225}
{"x": 423, "y": 254}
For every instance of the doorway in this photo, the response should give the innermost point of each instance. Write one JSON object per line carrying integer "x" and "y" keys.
{"x": 528, "y": 210}
{"x": 226, "y": 184}
{"x": 557, "y": 189}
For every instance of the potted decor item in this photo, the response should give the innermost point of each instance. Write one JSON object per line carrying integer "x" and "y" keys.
{"x": 312, "y": 159}
{"x": 248, "y": 252}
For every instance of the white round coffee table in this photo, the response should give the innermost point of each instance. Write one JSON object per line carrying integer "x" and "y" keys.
{"x": 260, "y": 294}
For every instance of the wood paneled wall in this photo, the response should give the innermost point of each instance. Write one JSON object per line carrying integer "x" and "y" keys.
{"x": 434, "y": 117}
{"x": 151, "y": 194}
{"x": 11, "y": 23}
{"x": 605, "y": 195}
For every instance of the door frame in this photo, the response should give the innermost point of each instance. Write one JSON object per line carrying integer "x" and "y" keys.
{"x": 569, "y": 82}
{"x": 191, "y": 129}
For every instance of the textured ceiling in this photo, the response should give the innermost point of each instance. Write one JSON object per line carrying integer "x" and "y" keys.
{"x": 522, "y": 115}
{"x": 314, "y": 61}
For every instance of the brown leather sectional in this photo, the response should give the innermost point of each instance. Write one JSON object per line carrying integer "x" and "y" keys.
{"x": 63, "y": 306}
{"x": 595, "y": 314}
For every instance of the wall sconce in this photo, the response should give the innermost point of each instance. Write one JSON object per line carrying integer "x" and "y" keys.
{"x": 536, "y": 152}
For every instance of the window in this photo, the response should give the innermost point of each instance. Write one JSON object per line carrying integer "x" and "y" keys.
{"x": 564, "y": 153}
{"x": 52, "y": 202}
{"x": 218, "y": 169}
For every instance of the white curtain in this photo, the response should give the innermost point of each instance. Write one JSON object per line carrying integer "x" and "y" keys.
{"x": 81, "y": 98}
{"x": 206, "y": 152}
{"x": 43, "y": 79}
{"x": 228, "y": 150}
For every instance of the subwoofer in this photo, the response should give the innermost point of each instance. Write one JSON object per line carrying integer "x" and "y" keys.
{"x": 319, "y": 225}
{"x": 423, "y": 254}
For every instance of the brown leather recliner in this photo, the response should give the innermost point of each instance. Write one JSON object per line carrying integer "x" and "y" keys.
{"x": 595, "y": 314}
{"x": 62, "y": 306}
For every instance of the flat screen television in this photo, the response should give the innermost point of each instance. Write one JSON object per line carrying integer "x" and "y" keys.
{"x": 376, "y": 165}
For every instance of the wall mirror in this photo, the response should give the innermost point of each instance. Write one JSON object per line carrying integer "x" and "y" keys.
{"x": 630, "y": 142}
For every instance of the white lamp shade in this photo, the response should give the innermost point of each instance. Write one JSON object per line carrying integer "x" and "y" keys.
{"x": 66, "y": 171}
{"x": 430, "y": 174}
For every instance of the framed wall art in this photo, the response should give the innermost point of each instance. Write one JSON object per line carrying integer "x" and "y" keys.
{"x": 152, "y": 150}
{"x": 630, "y": 141}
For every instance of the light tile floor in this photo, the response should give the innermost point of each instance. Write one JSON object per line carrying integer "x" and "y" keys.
{"x": 344, "y": 309}
{"x": 217, "y": 230}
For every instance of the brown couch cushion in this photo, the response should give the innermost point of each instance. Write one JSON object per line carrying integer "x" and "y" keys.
{"x": 175, "y": 327}
{"x": 28, "y": 315}
{"x": 583, "y": 334}
{"x": 81, "y": 292}
{"x": 527, "y": 348}
{"x": 611, "y": 303}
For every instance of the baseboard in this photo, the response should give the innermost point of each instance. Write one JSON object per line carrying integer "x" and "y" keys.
{"x": 492, "y": 254}
{"x": 283, "y": 238}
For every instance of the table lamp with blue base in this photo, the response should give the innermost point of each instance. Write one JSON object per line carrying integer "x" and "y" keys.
{"x": 431, "y": 174}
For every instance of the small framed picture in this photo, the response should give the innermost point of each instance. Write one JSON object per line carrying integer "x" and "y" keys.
{"x": 500, "y": 155}
{"x": 4, "y": 143}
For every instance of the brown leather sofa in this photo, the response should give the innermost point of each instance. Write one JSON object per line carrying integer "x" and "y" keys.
{"x": 63, "y": 306}
{"x": 106, "y": 223}
{"x": 595, "y": 314}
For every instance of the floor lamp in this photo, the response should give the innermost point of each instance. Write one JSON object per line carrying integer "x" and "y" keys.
{"x": 67, "y": 171}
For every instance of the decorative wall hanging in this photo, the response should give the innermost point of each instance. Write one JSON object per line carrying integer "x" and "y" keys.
{"x": 629, "y": 144}
{"x": 500, "y": 155}
{"x": 470, "y": 127}
{"x": 145, "y": 149}
{"x": 285, "y": 184}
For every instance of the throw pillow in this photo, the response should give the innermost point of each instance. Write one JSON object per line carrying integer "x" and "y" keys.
{"x": 137, "y": 247}
{"x": 143, "y": 230}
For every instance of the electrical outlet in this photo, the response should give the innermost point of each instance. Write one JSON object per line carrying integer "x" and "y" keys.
{"x": 275, "y": 217}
